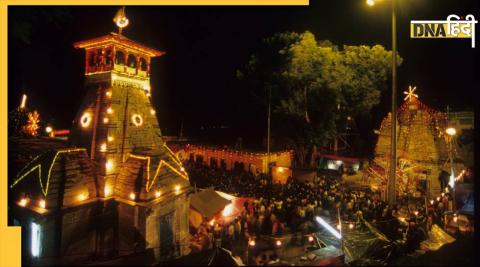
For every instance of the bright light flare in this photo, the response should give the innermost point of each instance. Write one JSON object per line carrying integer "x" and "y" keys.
{"x": 82, "y": 197}
{"x": 48, "y": 129}
{"x": 107, "y": 191}
{"x": 370, "y": 2}
{"x": 451, "y": 131}
{"x": 109, "y": 165}
{"x": 328, "y": 227}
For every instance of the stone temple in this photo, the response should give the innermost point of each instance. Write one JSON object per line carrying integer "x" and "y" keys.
{"x": 115, "y": 188}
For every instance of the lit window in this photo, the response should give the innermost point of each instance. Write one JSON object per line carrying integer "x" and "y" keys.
{"x": 35, "y": 239}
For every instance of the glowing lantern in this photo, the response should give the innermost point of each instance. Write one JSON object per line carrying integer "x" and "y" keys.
{"x": 42, "y": 203}
{"x": 23, "y": 202}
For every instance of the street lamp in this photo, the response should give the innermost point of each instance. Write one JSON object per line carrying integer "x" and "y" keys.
{"x": 451, "y": 132}
{"x": 393, "y": 149}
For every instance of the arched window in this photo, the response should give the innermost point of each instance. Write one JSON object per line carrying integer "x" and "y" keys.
{"x": 143, "y": 64}
{"x": 132, "y": 61}
{"x": 120, "y": 58}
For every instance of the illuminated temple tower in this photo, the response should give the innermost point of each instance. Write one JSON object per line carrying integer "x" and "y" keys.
{"x": 421, "y": 146}
{"x": 120, "y": 172}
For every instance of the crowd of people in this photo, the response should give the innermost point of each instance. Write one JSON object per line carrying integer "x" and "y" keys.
{"x": 279, "y": 208}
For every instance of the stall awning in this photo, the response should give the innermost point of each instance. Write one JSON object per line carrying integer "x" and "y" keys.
{"x": 208, "y": 202}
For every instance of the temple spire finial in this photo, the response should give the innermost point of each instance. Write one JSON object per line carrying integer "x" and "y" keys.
{"x": 121, "y": 19}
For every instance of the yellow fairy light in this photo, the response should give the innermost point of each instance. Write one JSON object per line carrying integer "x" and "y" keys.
{"x": 339, "y": 226}
{"x": 108, "y": 93}
{"x": 86, "y": 119}
{"x": 109, "y": 110}
{"x": 177, "y": 189}
{"x": 23, "y": 202}
{"x": 39, "y": 168}
{"x": 350, "y": 226}
{"x": 310, "y": 238}
{"x": 109, "y": 165}
{"x": 148, "y": 94}
{"x": 251, "y": 243}
{"x": 132, "y": 196}
{"x": 151, "y": 181}
{"x": 42, "y": 203}
{"x": 158, "y": 194}
{"x": 110, "y": 138}
{"x": 105, "y": 120}
{"x": 103, "y": 147}
{"x": 278, "y": 243}
{"x": 152, "y": 111}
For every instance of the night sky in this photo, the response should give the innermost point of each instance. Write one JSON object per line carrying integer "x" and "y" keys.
{"x": 196, "y": 79}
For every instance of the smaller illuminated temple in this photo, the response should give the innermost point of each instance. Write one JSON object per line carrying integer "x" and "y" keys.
{"x": 115, "y": 188}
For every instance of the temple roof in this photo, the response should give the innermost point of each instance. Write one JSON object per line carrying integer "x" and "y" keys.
{"x": 114, "y": 38}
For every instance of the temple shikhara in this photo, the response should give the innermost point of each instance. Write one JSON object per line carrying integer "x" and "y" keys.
{"x": 422, "y": 148}
{"x": 116, "y": 187}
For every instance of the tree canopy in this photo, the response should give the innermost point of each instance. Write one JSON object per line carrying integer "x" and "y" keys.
{"x": 315, "y": 84}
